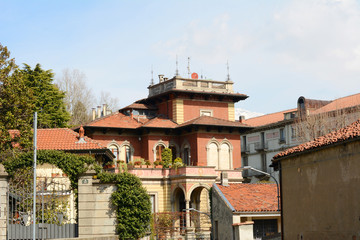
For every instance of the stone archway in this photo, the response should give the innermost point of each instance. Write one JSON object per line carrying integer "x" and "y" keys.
{"x": 200, "y": 205}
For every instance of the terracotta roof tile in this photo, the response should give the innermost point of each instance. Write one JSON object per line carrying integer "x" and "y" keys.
{"x": 268, "y": 118}
{"x": 345, "y": 102}
{"x": 64, "y": 139}
{"x": 139, "y": 106}
{"x": 248, "y": 197}
{"x": 206, "y": 120}
{"x": 343, "y": 134}
{"x": 160, "y": 123}
{"x": 115, "y": 120}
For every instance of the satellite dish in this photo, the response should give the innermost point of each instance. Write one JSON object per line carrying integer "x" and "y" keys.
{"x": 194, "y": 76}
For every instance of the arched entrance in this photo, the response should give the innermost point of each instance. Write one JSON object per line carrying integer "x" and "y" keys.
{"x": 179, "y": 207}
{"x": 200, "y": 210}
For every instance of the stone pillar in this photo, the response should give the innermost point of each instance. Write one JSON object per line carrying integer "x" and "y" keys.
{"x": 96, "y": 215}
{"x": 3, "y": 201}
{"x": 243, "y": 230}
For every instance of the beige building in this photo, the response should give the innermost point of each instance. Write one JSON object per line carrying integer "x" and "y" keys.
{"x": 320, "y": 186}
{"x": 276, "y": 132}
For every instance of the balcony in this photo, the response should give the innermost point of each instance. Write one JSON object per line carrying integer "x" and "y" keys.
{"x": 245, "y": 149}
{"x": 200, "y": 172}
{"x": 261, "y": 146}
{"x": 200, "y": 85}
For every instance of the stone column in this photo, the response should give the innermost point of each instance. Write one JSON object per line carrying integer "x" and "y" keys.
{"x": 189, "y": 229}
{"x": 3, "y": 202}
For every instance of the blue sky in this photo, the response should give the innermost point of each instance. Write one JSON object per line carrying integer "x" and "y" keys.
{"x": 277, "y": 50}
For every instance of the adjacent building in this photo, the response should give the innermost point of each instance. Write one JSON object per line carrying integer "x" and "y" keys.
{"x": 245, "y": 211}
{"x": 276, "y": 132}
{"x": 320, "y": 186}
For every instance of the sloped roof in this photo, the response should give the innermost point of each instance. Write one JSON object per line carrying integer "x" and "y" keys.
{"x": 206, "y": 120}
{"x": 268, "y": 118}
{"x": 343, "y": 134}
{"x": 139, "y": 106}
{"x": 64, "y": 139}
{"x": 115, "y": 120}
{"x": 159, "y": 122}
{"x": 251, "y": 197}
{"x": 340, "y": 103}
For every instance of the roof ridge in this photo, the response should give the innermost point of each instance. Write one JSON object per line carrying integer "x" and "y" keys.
{"x": 284, "y": 111}
{"x": 102, "y": 118}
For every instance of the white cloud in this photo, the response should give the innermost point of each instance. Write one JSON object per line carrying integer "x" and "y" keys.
{"x": 211, "y": 42}
{"x": 320, "y": 37}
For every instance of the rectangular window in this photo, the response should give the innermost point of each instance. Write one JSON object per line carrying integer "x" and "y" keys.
{"x": 206, "y": 113}
{"x": 282, "y": 135}
{"x": 244, "y": 144}
{"x": 152, "y": 200}
{"x": 263, "y": 162}
{"x": 245, "y": 162}
{"x": 293, "y": 132}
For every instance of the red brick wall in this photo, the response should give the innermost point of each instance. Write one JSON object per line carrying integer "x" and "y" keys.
{"x": 165, "y": 108}
{"x": 134, "y": 141}
{"x": 192, "y": 109}
{"x": 144, "y": 148}
{"x": 199, "y": 141}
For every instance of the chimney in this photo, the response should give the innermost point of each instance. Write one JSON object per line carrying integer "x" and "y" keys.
{"x": 99, "y": 111}
{"x": 241, "y": 119}
{"x": 93, "y": 114}
{"x": 81, "y": 135}
{"x": 161, "y": 77}
{"x": 104, "y": 110}
{"x": 224, "y": 179}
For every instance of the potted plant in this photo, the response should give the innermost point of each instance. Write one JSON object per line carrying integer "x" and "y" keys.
{"x": 157, "y": 163}
{"x": 147, "y": 163}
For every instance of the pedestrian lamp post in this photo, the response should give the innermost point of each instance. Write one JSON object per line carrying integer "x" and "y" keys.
{"x": 267, "y": 174}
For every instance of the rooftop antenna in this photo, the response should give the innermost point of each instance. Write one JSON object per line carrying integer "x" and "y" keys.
{"x": 188, "y": 67}
{"x": 228, "y": 72}
{"x": 152, "y": 76}
{"x": 177, "y": 67}
{"x": 201, "y": 75}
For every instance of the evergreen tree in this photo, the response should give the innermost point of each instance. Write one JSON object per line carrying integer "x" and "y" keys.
{"x": 49, "y": 100}
{"x": 16, "y": 105}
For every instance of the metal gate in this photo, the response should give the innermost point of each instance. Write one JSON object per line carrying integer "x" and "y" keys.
{"x": 52, "y": 210}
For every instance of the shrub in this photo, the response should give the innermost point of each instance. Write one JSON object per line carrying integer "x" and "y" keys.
{"x": 166, "y": 157}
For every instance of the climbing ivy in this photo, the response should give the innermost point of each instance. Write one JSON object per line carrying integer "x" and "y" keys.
{"x": 71, "y": 164}
{"x": 133, "y": 206}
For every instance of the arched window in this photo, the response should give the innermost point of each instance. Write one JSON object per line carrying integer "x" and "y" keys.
{"x": 115, "y": 150}
{"x": 186, "y": 153}
{"x": 224, "y": 154}
{"x": 219, "y": 154}
{"x": 126, "y": 152}
{"x": 213, "y": 155}
{"x": 159, "y": 150}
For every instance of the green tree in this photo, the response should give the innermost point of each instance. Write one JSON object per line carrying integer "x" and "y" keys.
{"x": 49, "y": 100}
{"x": 16, "y": 105}
{"x": 132, "y": 203}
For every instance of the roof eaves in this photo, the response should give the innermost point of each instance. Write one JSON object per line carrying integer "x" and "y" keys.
{"x": 305, "y": 151}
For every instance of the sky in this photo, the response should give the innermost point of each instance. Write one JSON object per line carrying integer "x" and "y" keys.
{"x": 277, "y": 50}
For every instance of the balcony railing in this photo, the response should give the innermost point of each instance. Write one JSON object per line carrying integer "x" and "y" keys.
{"x": 261, "y": 146}
{"x": 203, "y": 85}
